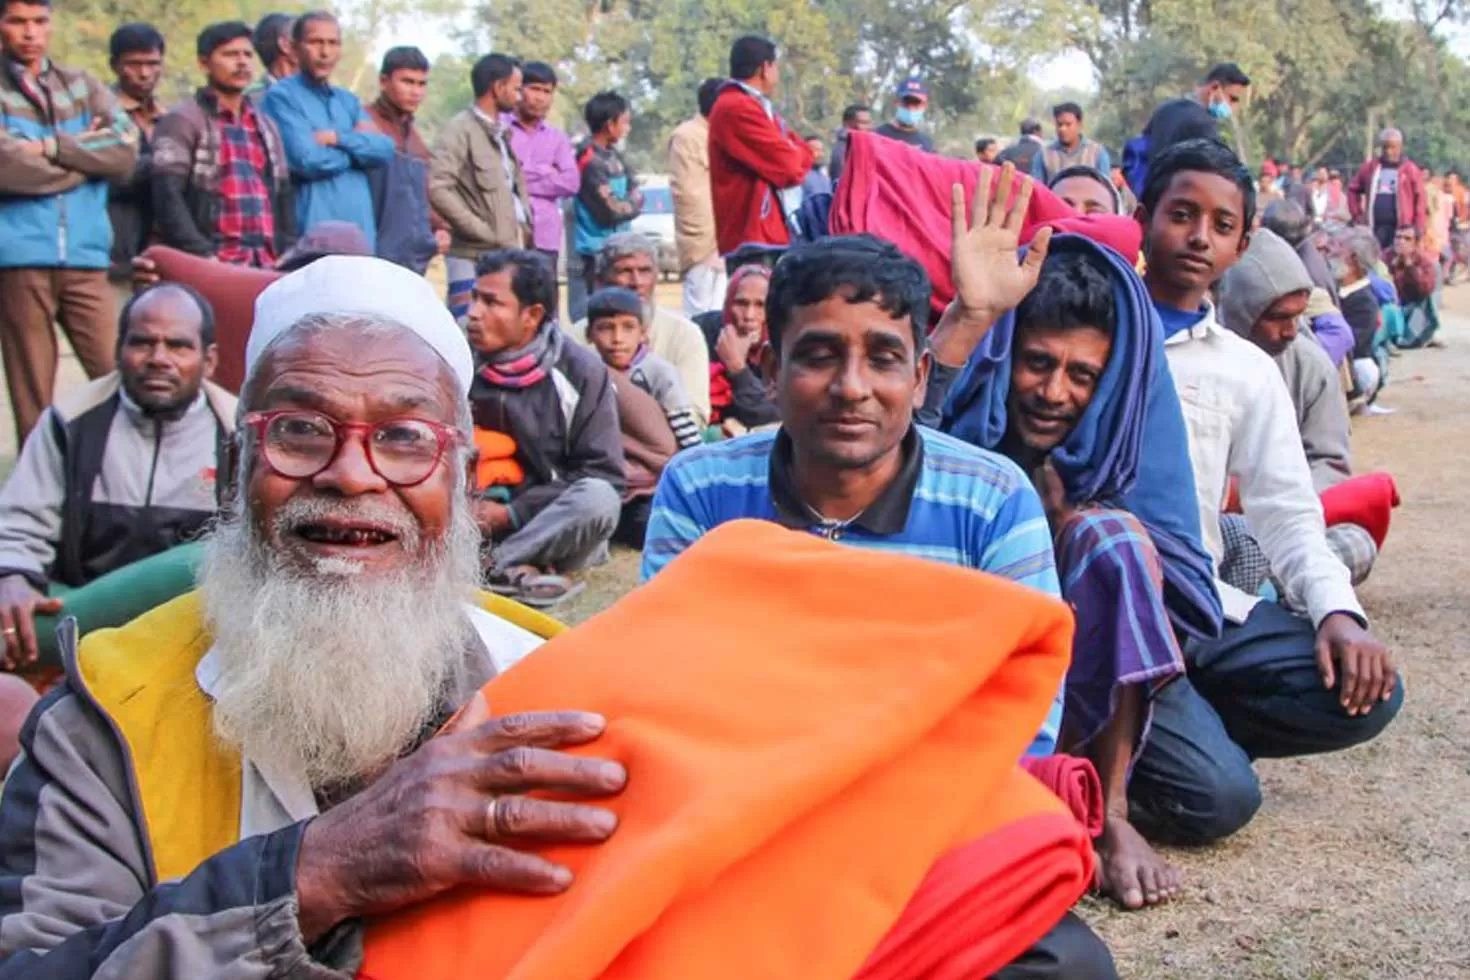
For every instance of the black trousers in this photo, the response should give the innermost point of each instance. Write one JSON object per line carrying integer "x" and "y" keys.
{"x": 1071, "y": 951}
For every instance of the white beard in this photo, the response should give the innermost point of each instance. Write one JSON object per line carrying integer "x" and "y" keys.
{"x": 334, "y": 673}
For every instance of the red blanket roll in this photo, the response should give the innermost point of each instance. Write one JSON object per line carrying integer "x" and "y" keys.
{"x": 1367, "y": 501}
{"x": 903, "y": 195}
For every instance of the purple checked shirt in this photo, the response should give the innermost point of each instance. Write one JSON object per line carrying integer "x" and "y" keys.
{"x": 550, "y": 168}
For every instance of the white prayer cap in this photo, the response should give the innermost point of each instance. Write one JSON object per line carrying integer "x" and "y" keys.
{"x": 363, "y": 285}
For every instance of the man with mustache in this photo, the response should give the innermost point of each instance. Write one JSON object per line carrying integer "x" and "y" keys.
{"x": 118, "y": 470}
{"x": 221, "y": 183}
{"x": 232, "y": 783}
{"x": 847, "y": 359}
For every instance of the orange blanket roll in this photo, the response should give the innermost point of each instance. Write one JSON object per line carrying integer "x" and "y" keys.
{"x": 821, "y": 745}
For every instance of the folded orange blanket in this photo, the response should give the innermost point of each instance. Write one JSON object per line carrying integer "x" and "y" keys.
{"x": 808, "y": 729}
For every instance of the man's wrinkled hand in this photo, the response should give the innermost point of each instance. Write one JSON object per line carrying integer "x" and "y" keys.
{"x": 456, "y": 812}
{"x": 19, "y": 605}
{"x": 1348, "y": 653}
{"x": 988, "y": 278}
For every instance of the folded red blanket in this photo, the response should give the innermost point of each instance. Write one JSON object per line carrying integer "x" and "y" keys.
{"x": 1367, "y": 501}
{"x": 1073, "y": 781}
{"x": 972, "y": 909}
{"x": 903, "y": 195}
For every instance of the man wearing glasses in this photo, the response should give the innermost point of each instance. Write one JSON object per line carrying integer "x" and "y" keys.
{"x": 234, "y": 781}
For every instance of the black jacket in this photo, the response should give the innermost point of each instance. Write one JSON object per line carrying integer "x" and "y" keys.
{"x": 186, "y": 177}
{"x": 565, "y": 427}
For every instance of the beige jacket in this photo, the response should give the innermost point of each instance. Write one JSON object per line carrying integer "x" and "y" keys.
{"x": 469, "y": 190}
{"x": 694, "y": 209}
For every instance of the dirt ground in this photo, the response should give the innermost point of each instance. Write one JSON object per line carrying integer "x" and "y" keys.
{"x": 1358, "y": 865}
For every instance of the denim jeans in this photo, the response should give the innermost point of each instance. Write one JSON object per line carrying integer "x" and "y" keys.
{"x": 1253, "y": 693}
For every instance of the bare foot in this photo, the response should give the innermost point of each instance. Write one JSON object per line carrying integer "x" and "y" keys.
{"x": 1131, "y": 873}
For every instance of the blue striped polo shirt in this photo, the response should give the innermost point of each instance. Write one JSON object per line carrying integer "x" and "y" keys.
{"x": 951, "y": 502}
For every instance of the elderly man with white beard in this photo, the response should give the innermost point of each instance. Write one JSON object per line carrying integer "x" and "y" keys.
{"x": 226, "y": 786}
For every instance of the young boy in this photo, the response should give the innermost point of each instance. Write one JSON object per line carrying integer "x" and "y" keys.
{"x": 617, "y": 328}
{"x": 608, "y": 198}
{"x": 1275, "y": 683}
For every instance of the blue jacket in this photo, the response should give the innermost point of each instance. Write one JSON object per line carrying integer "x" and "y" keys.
{"x": 330, "y": 182}
{"x": 53, "y": 206}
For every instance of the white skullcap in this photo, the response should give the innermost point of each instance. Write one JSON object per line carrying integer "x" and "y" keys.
{"x": 360, "y": 284}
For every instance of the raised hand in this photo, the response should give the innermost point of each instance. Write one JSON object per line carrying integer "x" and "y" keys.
{"x": 989, "y": 280}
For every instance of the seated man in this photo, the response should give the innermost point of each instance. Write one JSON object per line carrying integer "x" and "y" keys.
{"x": 1065, "y": 382}
{"x": 1263, "y": 298}
{"x": 119, "y": 469}
{"x": 847, "y": 320}
{"x": 555, "y": 400}
{"x": 735, "y": 333}
{"x": 1416, "y": 275}
{"x": 1086, "y": 191}
{"x": 209, "y": 812}
{"x": 1274, "y": 684}
{"x": 627, "y": 259}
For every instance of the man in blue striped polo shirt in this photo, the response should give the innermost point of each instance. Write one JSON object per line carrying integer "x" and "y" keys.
{"x": 847, "y": 320}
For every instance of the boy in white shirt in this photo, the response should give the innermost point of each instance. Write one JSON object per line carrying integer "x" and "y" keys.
{"x": 1274, "y": 684}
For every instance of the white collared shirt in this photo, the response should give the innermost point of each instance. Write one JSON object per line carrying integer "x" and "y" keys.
{"x": 272, "y": 798}
{"x": 1241, "y": 423}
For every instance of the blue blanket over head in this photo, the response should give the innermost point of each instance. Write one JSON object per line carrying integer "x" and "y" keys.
{"x": 1130, "y": 449}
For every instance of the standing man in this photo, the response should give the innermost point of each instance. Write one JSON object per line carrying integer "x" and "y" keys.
{"x": 221, "y": 184}
{"x": 1024, "y": 151}
{"x": 1387, "y": 194}
{"x": 1195, "y": 116}
{"x": 856, "y": 117}
{"x": 756, "y": 163}
{"x": 272, "y": 41}
{"x": 986, "y": 149}
{"x": 330, "y": 141}
{"x": 608, "y": 198}
{"x": 474, "y": 180}
{"x": 137, "y": 62}
{"x": 409, "y": 232}
{"x": 548, "y": 163}
{"x": 817, "y": 181}
{"x": 913, "y": 99}
{"x": 1071, "y": 148}
{"x": 62, "y": 138}
{"x": 694, "y": 209}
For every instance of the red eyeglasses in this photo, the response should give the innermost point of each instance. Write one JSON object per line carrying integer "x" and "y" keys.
{"x": 298, "y": 444}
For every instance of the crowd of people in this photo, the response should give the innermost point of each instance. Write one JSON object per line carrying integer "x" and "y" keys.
{"x": 374, "y": 486}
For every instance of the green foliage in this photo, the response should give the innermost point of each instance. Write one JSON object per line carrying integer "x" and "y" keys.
{"x": 1327, "y": 73}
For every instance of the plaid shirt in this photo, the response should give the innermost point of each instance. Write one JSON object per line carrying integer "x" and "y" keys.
{"x": 247, "y": 228}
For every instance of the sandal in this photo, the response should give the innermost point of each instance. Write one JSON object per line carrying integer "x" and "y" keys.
{"x": 530, "y": 587}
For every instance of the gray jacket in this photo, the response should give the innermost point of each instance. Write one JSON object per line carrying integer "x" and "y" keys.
{"x": 1269, "y": 270}
{"x": 100, "y": 485}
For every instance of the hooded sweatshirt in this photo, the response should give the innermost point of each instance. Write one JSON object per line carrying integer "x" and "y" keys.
{"x": 1268, "y": 271}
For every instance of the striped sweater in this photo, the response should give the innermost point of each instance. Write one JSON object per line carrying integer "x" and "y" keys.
{"x": 967, "y": 507}
{"x": 53, "y": 204}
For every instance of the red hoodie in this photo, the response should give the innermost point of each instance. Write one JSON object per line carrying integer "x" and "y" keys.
{"x": 751, "y": 157}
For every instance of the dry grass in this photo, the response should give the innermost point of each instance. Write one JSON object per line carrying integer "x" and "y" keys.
{"x": 1357, "y": 864}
